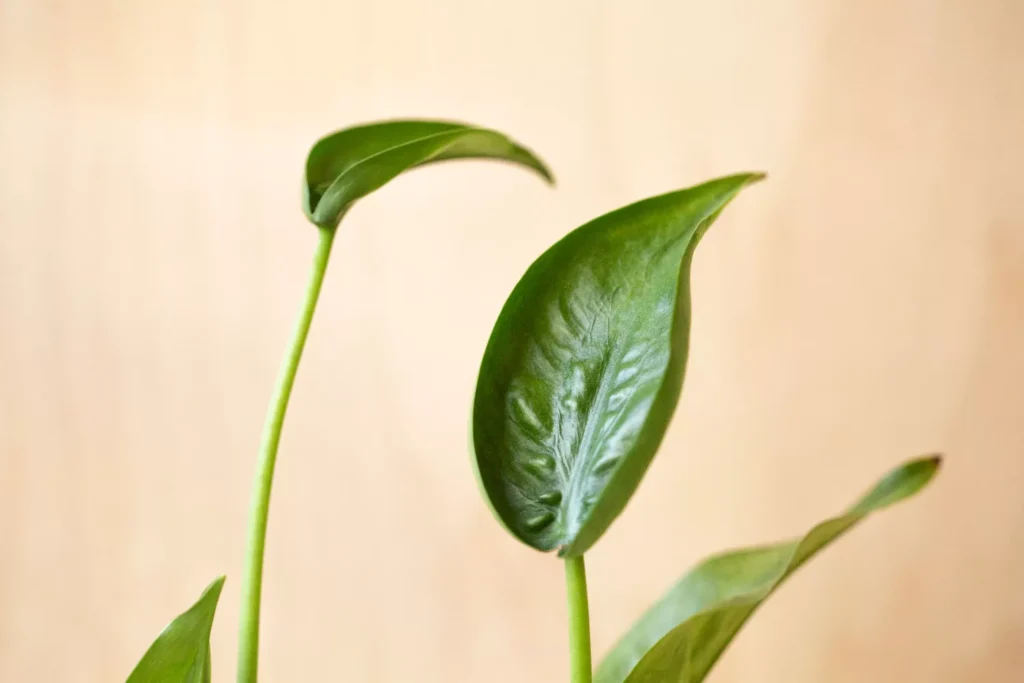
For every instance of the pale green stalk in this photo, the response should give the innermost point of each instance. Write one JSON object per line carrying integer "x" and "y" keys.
{"x": 580, "y": 669}
{"x": 252, "y": 577}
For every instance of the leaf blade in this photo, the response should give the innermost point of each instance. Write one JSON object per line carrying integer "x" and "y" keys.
{"x": 584, "y": 368}
{"x": 181, "y": 653}
{"x": 681, "y": 637}
{"x": 346, "y": 165}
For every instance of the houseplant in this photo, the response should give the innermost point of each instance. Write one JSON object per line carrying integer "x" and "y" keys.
{"x": 341, "y": 168}
{"x": 576, "y": 389}
{"x": 578, "y": 383}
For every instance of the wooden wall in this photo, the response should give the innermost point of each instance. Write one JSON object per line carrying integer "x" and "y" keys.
{"x": 863, "y": 306}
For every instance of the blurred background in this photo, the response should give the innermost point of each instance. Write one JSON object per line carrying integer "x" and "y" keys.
{"x": 864, "y": 306}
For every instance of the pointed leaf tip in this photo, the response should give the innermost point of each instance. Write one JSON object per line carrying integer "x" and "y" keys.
{"x": 584, "y": 367}
{"x": 349, "y": 164}
{"x": 899, "y": 484}
{"x": 181, "y": 653}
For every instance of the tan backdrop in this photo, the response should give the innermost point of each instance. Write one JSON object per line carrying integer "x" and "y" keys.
{"x": 863, "y": 306}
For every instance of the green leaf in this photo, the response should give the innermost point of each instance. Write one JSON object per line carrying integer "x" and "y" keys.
{"x": 349, "y": 164}
{"x": 681, "y": 637}
{"x": 584, "y": 367}
{"x": 181, "y": 653}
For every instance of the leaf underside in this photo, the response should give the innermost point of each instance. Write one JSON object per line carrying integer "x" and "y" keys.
{"x": 679, "y": 639}
{"x": 349, "y": 164}
{"x": 181, "y": 653}
{"x": 584, "y": 367}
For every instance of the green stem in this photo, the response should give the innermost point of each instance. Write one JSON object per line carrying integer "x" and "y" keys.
{"x": 252, "y": 578}
{"x": 579, "y": 620}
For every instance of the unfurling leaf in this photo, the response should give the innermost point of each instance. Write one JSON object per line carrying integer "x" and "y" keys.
{"x": 681, "y": 637}
{"x": 349, "y": 164}
{"x": 585, "y": 365}
{"x": 181, "y": 653}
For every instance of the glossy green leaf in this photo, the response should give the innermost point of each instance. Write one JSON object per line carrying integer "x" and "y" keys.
{"x": 349, "y": 164}
{"x": 681, "y": 637}
{"x": 584, "y": 368}
{"x": 181, "y": 653}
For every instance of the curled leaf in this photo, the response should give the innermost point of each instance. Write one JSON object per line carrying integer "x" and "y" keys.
{"x": 349, "y": 164}
{"x": 584, "y": 368}
{"x": 681, "y": 636}
{"x": 181, "y": 653}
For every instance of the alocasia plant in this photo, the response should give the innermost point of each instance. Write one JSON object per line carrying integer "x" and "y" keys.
{"x": 341, "y": 168}
{"x": 577, "y": 385}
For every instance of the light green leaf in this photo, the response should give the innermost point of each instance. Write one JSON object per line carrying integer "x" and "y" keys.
{"x": 681, "y": 637}
{"x": 181, "y": 653}
{"x": 584, "y": 367}
{"x": 349, "y": 164}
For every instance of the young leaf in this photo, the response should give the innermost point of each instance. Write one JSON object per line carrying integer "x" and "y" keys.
{"x": 181, "y": 653}
{"x": 584, "y": 368}
{"x": 681, "y": 637}
{"x": 349, "y": 164}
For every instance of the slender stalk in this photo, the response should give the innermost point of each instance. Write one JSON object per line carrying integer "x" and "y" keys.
{"x": 252, "y": 578}
{"x": 579, "y": 620}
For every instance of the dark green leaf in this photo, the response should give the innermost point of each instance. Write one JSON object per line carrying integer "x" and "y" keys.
{"x": 584, "y": 368}
{"x": 681, "y": 637}
{"x": 351, "y": 163}
{"x": 181, "y": 653}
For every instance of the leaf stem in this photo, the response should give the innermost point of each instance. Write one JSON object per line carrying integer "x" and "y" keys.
{"x": 580, "y": 670}
{"x": 252, "y": 579}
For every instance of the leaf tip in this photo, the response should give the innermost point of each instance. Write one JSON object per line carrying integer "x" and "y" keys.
{"x": 933, "y": 463}
{"x": 927, "y": 466}
{"x": 213, "y": 589}
{"x": 903, "y": 482}
{"x": 529, "y": 158}
{"x": 545, "y": 172}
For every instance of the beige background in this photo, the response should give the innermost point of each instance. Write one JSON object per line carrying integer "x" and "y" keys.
{"x": 864, "y": 306}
